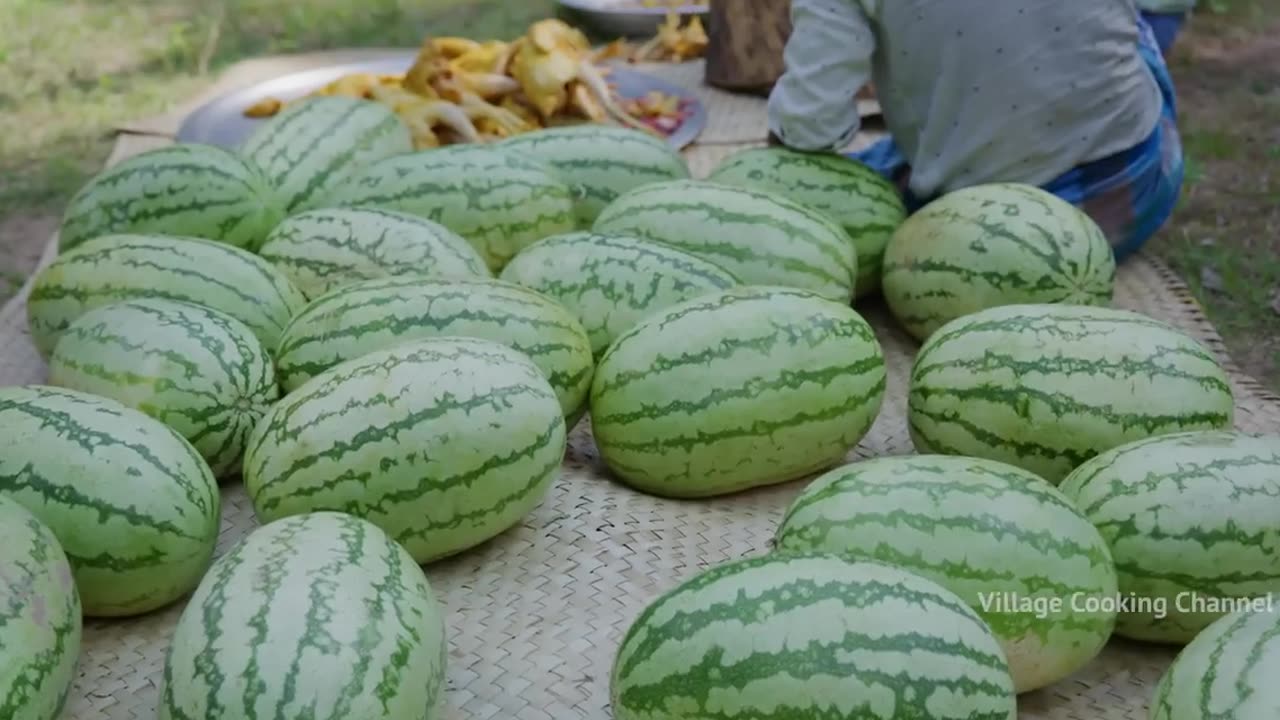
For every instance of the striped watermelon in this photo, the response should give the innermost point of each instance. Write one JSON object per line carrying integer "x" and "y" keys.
{"x": 1228, "y": 671}
{"x": 1046, "y": 387}
{"x": 611, "y": 282}
{"x": 500, "y": 202}
{"x": 442, "y": 443}
{"x": 600, "y": 162}
{"x": 323, "y": 250}
{"x": 762, "y": 238}
{"x": 866, "y": 205}
{"x": 125, "y": 267}
{"x": 40, "y": 621}
{"x": 319, "y": 616}
{"x": 812, "y": 637}
{"x": 991, "y": 245}
{"x": 1191, "y": 519}
{"x": 1005, "y": 541}
{"x": 379, "y": 314}
{"x": 199, "y": 371}
{"x": 131, "y": 502}
{"x": 197, "y": 190}
{"x": 312, "y": 146}
{"x": 746, "y": 387}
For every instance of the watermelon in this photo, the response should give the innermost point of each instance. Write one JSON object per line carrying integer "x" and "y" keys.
{"x": 318, "y": 616}
{"x": 745, "y": 387}
{"x": 866, "y": 205}
{"x": 130, "y": 501}
{"x": 324, "y": 250}
{"x": 199, "y": 371}
{"x": 1046, "y": 387}
{"x": 378, "y": 314}
{"x": 311, "y": 146}
{"x": 992, "y": 245}
{"x": 126, "y": 267}
{"x": 612, "y": 282}
{"x": 1193, "y": 521}
{"x": 499, "y": 201}
{"x": 760, "y": 237}
{"x": 600, "y": 162}
{"x": 442, "y": 443}
{"x": 1006, "y": 542}
{"x": 40, "y": 623}
{"x": 813, "y": 637}
{"x": 1228, "y": 671}
{"x": 196, "y": 190}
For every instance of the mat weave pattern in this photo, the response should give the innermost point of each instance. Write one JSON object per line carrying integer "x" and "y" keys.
{"x": 535, "y": 615}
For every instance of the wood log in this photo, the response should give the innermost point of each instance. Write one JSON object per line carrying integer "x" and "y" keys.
{"x": 746, "y": 43}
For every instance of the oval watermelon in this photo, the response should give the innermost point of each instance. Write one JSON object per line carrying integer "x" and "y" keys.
{"x": 324, "y": 250}
{"x": 866, "y": 205}
{"x": 499, "y": 201}
{"x": 40, "y": 624}
{"x": 992, "y": 245}
{"x": 746, "y": 387}
{"x": 1003, "y": 540}
{"x": 612, "y": 282}
{"x": 313, "y": 145}
{"x": 600, "y": 162}
{"x": 810, "y": 636}
{"x": 1228, "y": 671}
{"x": 762, "y": 238}
{"x": 132, "y": 503}
{"x": 442, "y": 443}
{"x": 1192, "y": 519}
{"x": 199, "y": 371}
{"x": 127, "y": 267}
{"x": 197, "y": 190}
{"x": 1046, "y": 387}
{"x": 319, "y": 616}
{"x": 379, "y": 314}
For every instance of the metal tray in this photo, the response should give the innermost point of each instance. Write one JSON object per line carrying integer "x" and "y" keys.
{"x": 612, "y": 18}
{"x": 222, "y": 120}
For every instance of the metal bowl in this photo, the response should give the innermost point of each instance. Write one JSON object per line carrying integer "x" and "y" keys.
{"x": 611, "y": 19}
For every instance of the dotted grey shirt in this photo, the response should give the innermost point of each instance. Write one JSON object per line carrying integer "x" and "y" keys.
{"x": 973, "y": 91}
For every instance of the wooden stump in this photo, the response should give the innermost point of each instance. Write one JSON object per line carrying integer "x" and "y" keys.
{"x": 747, "y": 39}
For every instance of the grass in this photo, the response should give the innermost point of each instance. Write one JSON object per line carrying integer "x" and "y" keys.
{"x": 72, "y": 69}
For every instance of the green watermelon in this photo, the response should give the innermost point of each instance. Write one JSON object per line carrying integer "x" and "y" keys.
{"x": 131, "y": 502}
{"x": 499, "y": 201}
{"x": 746, "y": 387}
{"x": 196, "y": 190}
{"x": 324, "y": 250}
{"x": 762, "y": 238}
{"x": 600, "y": 162}
{"x": 126, "y": 267}
{"x": 1003, "y": 540}
{"x": 318, "y": 616}
{"x": 313, "y": 145}
{"x": 1228, "y": 671}
{"x": 611, "y": 282}
{"x": 442, "y": 443}
{"x": 991, "y": 245}
{"x": 40, "y": 623}
{"x": 199, "y": 371}
{"x": 379, "y": 314}
{"x": 1192, "y": 523}
{"x": 810, "y": 637}
{"x": 1046, "y": 387}
{"x": 866, "y": 205}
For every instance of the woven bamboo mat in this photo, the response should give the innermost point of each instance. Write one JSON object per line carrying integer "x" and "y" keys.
{"x": 535, "y": 615}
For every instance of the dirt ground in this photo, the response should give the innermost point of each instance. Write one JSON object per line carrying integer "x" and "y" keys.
{"x": 100, "y": 63}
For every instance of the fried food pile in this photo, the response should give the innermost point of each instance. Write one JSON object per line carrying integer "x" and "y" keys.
{"x": 676, "y": 41}
{"x": 465, "y": 91}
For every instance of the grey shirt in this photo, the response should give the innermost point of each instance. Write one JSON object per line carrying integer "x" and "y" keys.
{"x": 973, "y": 91}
